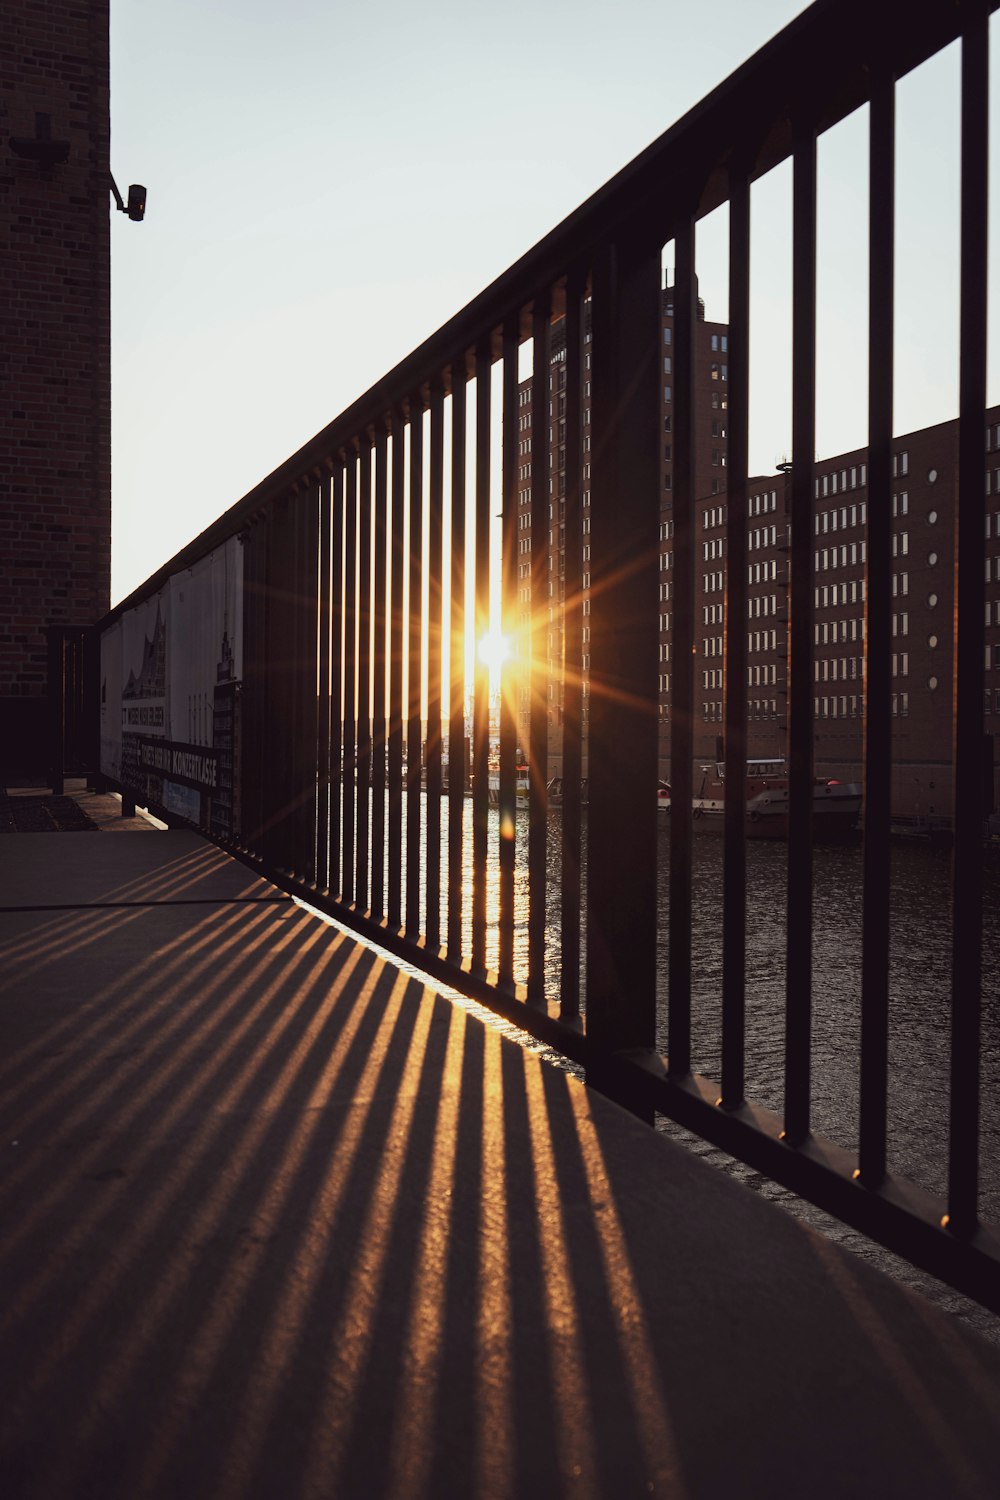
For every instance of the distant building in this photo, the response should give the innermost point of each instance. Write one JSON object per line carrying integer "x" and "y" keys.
{"x": 924, "y": 495}
{"x": 711, "y": 373}
{"x": 925, "y": 475}
{"x": 55, "y": 367}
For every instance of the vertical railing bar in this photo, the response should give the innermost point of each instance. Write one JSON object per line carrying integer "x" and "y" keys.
{"x": 511, "y": 671}
{"x": 623, "y": 723}
{"x": 564, "y": 526}
{"x": 296, "y": 783}
{"x": 378, "y": 777}
{"x": 481, "y": 725}
{"x": 347, "y": 832}
{"x": 254, "y": 684}
{"x": 280, "y": 695}
{"x": 323, "y": 702}
{"x": 414, "y": 768}
{"x": 309, "y": 716}
{"x": 271, "y": 770}
{"x": 535, "y": 648}
{"x": 734, "y": 894}
{"x": 798, "y": 976}
{"x": 394, "y": 912}
{"x": 683, "y": 645}
{"x": 878, "y": 639}
{"x": 56, "y": 686}
{"x": 265, "y": 751}
{"x": 969, "y": 639}
{"x": 435, "y": 647}
{"x": 364, "y": 760}
{"x": 456, "y": 702}
{"x": 337, "y": 637}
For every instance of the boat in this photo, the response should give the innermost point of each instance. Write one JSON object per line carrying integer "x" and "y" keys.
{"x": 522, "y": 785}
{"x": 555, "y": 790}
{"x": 836, "y": 804}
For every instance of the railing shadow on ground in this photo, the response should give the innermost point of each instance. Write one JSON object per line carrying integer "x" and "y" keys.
{"x": 284, "y": 1221}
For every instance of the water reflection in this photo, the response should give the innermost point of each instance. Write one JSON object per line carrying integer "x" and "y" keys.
{"x": 919, "y": 983}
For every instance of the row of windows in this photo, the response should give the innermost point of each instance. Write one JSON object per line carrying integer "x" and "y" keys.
{"x": 762, "y": 604}
{"x": 840, "y": 518}
{"x": 842, "y": 480}
{"x": 839, "y": 708}
{"x": 761, "y": 505}
{"x": 849, "y": 554}
{"x": 832, "y": 631}
{"x": 829, "y": 595}
{"x": 838, "y": 669}
{"x": 762, "y": 536}
{"x": 712, "y": 550}
{"x": 757, "y": 708}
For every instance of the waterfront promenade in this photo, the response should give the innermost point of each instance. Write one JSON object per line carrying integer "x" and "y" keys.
{"x": 278, "y": 1220}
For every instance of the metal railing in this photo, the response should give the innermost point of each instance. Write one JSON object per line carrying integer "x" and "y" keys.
{"x": 357, "y": 613}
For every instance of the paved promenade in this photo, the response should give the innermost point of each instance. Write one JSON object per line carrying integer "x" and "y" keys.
{"x": 278, "y": 1221}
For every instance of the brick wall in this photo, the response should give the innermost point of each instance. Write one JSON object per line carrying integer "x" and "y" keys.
{"x": 55, "y": 325}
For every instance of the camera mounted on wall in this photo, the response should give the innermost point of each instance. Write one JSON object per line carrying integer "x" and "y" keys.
{"x": 136, "y": 205}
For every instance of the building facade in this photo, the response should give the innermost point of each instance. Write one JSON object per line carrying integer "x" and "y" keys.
{"x": 55, "y": 367}
{"x": 925, "y": 486}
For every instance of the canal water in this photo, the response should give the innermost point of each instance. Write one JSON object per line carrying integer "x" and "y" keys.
{"x": 920, "y": 983}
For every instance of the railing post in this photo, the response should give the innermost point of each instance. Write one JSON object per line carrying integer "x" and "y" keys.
{"x": 621, "y": 883}
{"x": 801, "y": 729}
{"x": 57, "y": 708}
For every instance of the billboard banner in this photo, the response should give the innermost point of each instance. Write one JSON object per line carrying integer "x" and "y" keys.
{"x": 171, "y": 681}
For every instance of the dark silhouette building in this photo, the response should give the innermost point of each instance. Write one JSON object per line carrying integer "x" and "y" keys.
{"x": 55, "y": 362}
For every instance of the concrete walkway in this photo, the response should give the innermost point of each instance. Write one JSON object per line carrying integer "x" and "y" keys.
{"x": 278, "y": 1221}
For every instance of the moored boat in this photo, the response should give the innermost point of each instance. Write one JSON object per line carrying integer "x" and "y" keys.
{"x": 836, "y": 804}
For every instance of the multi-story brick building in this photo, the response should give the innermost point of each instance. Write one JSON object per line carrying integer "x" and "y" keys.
{"x": 711, "y": 356}
{"x": 925, "y": 473}
{"x": 55, "y": 419}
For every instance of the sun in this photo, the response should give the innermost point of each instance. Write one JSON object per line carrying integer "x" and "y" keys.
{"x": 494, "y": 650}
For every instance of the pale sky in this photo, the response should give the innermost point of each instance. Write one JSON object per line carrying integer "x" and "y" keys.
{"x": 328, "y": 185}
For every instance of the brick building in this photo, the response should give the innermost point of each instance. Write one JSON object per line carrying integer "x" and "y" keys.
{"x": 925, "y": 474}
{"x": 711, "y": 355}
{"x": 55, "y": 416}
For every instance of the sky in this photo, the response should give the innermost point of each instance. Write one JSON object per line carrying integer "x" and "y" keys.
{"x": 327, "y": 185}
